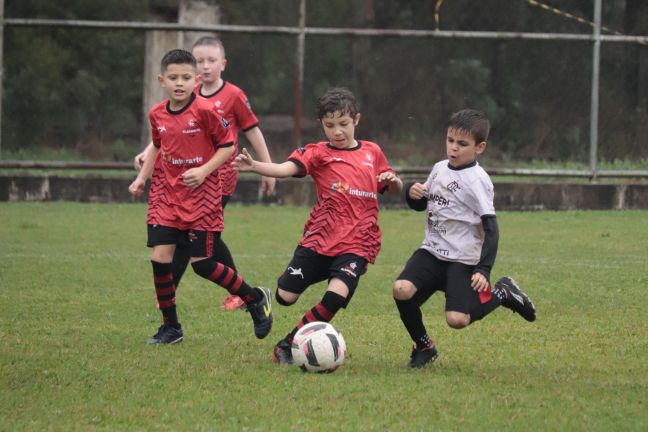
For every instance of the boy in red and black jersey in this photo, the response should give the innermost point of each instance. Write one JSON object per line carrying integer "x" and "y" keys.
{"x": 230, "y": 102}
{"x": 341, "y": 235}
{"x": 185, "y": 207}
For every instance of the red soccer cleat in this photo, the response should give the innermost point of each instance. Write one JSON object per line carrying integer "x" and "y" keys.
{"x": 232, "y": 303}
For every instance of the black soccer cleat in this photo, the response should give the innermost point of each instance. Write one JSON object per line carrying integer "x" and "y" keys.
{"x": 261, "y": 313}
{"x": 282, "y": 353}
{"x": 166, "y": 335}
{"x": 516, "y": 299}
{"x": 421, "y": 357}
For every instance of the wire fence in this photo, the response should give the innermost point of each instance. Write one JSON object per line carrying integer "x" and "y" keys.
{"x": 554, "y": 98}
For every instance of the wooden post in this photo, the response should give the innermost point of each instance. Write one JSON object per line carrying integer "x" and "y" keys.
{"x": 197, "y": 12}
{"x": 159, "y": 42}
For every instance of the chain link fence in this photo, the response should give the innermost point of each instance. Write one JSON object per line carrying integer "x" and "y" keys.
{"x": 527, "y": 64}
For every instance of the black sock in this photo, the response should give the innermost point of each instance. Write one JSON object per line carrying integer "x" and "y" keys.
{"x": 226, "y": 278}
{"x": 179, "y": 263}
{"x": 165, "y": 292}
{"x": 324, "y": 311}
{"x": 481, "y": 310}
{"x": 412, "y": 318}
{"x": 222, "y": 254}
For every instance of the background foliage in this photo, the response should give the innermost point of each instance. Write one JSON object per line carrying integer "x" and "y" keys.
{"x": 80, "y": 90}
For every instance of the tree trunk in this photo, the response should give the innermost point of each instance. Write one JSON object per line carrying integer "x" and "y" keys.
{"x": 158, "y": 43}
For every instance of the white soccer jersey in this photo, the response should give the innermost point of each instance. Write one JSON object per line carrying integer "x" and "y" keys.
{"x": 457, "y": 198}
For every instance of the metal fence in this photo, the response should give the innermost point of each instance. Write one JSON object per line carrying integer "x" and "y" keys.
{"x": 302, "y": 35}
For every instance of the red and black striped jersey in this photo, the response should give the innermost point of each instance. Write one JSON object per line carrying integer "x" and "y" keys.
{"x": 187, "y": 139}
{"x": 345, "y": 216}
{"x": 230, "y": 102}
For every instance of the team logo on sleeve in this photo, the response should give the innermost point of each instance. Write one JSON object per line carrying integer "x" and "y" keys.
{"x": 161, "y": 129}
{"x": 247, "y": 104}
{"x": 224, "y": 122}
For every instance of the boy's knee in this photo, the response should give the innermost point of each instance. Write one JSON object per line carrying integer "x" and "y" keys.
{"x": 285, "y": 298}
{"x": 403, "y": 290}
{"x": 457, "y": 320}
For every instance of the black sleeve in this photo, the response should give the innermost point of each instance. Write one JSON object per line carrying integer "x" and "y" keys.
{"x": 415, "y": 204}
{"x": 489, "y": 248}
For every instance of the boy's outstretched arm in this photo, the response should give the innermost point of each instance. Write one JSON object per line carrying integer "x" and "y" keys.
{"x": 393, "y": 183}
{"x": 245, "y": 163}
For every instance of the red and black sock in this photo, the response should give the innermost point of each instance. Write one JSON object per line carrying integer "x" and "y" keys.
{"x": 165, "y": 292}
{"x": 227, "y": 278}
{"x": 325, "y": 310}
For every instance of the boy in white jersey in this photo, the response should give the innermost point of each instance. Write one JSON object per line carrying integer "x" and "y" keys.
{"x": 460, "y": 244}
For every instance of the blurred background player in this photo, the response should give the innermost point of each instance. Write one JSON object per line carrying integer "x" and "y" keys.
{"x": 192, "y": 141}
{"x": 460, "y": 245}
{"x": 230, "y": 102}
{"x": 341, "y": 235}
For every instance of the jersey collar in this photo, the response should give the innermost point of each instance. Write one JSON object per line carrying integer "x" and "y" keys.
{"x": 470, "y": 165}
{"x": 183, "y": 109}
{"x": 328, "y": 144}
{"x": 212, "y": 94}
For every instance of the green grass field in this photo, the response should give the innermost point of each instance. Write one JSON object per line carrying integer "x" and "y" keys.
{"x": 78, "y": 306}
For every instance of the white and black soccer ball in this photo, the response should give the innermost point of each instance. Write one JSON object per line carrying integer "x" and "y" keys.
{"x": 318, "y": 347}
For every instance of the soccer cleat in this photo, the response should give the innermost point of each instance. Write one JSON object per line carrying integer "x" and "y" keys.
{"x": 232, "y": 303}
{"x": 166, "y": 335}
{"x": 516, "y": 299}
{"x": 261, "y": 313}
{"x": 282, "y": 353}
{"x": 420, "y": 357}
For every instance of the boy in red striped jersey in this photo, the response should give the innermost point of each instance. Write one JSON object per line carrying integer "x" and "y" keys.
{"x": 230, "y": 102}
{"x": 341, "y": 235}
{"x": 185, "y": 207}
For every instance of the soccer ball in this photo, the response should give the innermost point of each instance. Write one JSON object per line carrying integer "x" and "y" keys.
{"x": 318, "y": 347}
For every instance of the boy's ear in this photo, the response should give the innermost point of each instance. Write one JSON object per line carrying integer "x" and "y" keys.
{"x": 356, "y": 120}
{"x": 160, "y": 78}
{"x": 481, "y": 147}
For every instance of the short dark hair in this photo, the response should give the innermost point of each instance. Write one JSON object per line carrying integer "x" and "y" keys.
{"x": 209, "y": 41}
{"x": 177, "y": 56}
{"x": 471, "y": 121}
{"x": 337, "y": 99}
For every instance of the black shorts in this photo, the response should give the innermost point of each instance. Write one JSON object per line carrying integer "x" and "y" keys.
{"x": 185, "y": 246}
{"x": 307, "y": 267}
{"x": 199, "y": 243}
{"x": 430, "y": 274}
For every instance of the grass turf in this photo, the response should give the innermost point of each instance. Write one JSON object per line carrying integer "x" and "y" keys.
{"x": 78, "y": 306}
